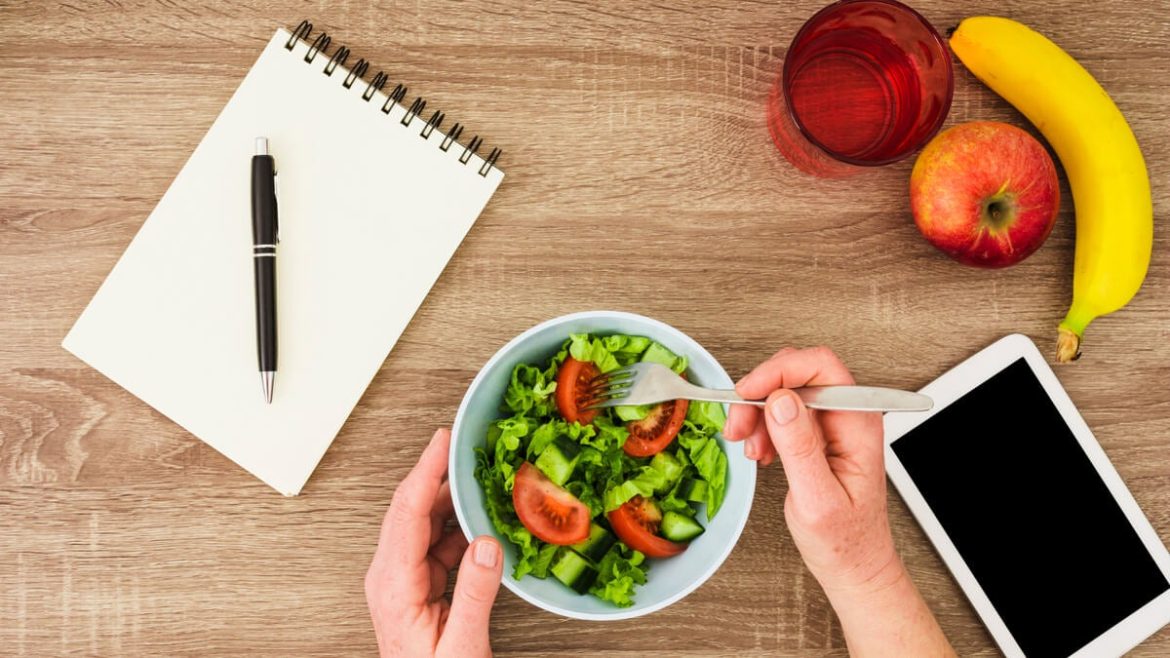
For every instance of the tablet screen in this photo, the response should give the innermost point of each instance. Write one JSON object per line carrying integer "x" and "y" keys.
{"x": 1029, "y": 514}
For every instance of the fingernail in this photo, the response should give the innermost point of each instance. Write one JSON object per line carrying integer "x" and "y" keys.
{"x": 784, "y": 410}
{"x": 486, "y": 553}
{"x": 749, "y": 450}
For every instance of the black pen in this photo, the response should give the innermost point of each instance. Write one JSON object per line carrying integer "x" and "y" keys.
{"x": 265, "y": 236}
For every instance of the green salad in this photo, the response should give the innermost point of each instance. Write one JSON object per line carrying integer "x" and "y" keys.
{"x": 588, "y": 495}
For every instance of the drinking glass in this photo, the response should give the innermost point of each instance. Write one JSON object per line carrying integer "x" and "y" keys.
{"x": 864, "y": 83}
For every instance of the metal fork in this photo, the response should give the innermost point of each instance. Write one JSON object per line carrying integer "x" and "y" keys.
{"x": 649, "y": 383}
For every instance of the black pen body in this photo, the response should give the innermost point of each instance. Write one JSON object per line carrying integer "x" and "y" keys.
{"x": 265, "y": 269}
{"x": 264, "y": 239}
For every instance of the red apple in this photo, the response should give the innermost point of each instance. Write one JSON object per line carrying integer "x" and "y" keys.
{"x": 985, "y": 193}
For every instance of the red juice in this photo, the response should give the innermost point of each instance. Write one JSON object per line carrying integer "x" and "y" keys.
{"x": 866, "y": 81}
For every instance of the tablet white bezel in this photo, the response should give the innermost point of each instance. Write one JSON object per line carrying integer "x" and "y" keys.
{"x": 951, "y": 386}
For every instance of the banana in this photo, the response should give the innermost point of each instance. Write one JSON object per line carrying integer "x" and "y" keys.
{"x": 1106, "y": 171}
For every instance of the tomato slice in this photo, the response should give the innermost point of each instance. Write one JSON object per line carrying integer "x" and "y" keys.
{"x": 653, "y": 433}
{"x": 573, "y": 379}
{"x": 548, "y": 511}
{"x": 636, "y": 524}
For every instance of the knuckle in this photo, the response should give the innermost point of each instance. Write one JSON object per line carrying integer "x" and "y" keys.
{"x": 374, "y": 593}
{"x": 817, "y": 517}
{"x": 832, "y": 365}
{"x": 372, "y": 583}
{"x": 824, "y": 353}
{"x": 783, "y": 350}
{"x": 769, "y": 456}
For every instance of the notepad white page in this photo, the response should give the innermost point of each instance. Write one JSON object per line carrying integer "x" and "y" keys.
{"x": 370, "y": 212}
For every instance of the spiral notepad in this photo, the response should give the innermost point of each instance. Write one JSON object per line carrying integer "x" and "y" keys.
{"x": 374, "y": 197}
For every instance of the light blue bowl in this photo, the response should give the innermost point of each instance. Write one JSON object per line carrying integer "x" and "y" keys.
{"x": 668, "y": 580}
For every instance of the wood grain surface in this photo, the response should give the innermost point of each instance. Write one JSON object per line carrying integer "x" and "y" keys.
{"x": 640, "y": 176}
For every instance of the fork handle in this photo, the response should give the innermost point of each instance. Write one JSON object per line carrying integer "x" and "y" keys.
{"x": 836, "y": 398}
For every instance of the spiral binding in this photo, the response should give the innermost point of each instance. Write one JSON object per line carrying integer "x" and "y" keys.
{"x": 320, "y": 45}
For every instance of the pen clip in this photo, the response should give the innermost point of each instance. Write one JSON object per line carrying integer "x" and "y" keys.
{"x": 275, "y": 206}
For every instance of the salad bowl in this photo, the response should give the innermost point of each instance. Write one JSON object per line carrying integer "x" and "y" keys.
{"x": 668, "y": 580}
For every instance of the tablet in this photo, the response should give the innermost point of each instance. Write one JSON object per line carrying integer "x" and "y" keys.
{"x": 1026, "y": 510}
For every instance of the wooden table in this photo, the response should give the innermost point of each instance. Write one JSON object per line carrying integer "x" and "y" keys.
{"x": 640, "y": 176}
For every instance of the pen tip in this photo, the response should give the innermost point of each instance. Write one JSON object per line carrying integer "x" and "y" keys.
{"x": 267, "y": 379}
{"x": 261, "y": 146}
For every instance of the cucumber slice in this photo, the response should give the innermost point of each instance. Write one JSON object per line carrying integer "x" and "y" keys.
{"x": 595, "y": 547}
{"x": 558, "y": 460}
{"x": 670, "y": 467}
{"x": 693, "y": 490}
{"x": 677, "y": 527}
{"x": 572, "y": 570}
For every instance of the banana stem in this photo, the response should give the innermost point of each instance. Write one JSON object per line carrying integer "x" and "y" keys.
{"x": 1068, "y": 346}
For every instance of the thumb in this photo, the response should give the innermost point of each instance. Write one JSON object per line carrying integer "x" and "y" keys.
{"x": 466, "y": 632}
{"x": 797, "y": 438}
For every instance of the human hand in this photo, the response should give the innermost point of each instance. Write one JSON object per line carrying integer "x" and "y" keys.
{"x": 836, "y": 504}
{"x": 408, "y": 575}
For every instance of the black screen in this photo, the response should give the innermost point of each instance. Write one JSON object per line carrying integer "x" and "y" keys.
{"x": 1031, "y": 517}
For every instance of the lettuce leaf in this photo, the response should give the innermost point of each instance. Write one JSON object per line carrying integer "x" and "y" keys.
{"x": 671, "y": 502}
{"x": 530, "y": 391}
{"x": 709, "y": 461}
{"x": 634, "y": 412}
{"x": 707, "y": 416}
{"x": 608, "y": 436}
{"x": 607, "y": 352}
{"x": 504, "y": 440}
{"x": 544, "y": 560}
{"x": 503, "y": 515}
{"x": 586, "y": 494}
{"x": 544, "y": 435}
{"x": 618, "y": 572}
{"x": 541, "y": 437}
{"x": 660, "y": 354}
{"x": 625, "y": 344}
{"x": 644, "y": 484}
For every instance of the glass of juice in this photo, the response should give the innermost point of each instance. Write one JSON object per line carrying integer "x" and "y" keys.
{"x": 864, "y": 83}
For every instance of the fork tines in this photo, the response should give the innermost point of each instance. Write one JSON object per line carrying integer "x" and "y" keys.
{"x": 609, "y": 387}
